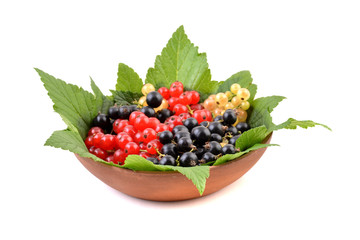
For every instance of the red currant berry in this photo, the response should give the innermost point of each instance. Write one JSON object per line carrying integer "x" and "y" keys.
{"x": 195, "y": 97}
{"x": 153, "y": 122}
{"x": 119, "y": 157}
{"x": 96, "y": 139}
{"x": 89, "y": 141}
{"x": 134, "y": 116}
{"x": 130, "y": 130}
{"x": 131, "y": 148}
{"x": 95, "y": 130}
{"x": 164, "y": 92}
{"x": 153, "y": 146}
{"x": 185, "y": 98}
{"x": 172, "y": 102}
{"x": 195, "y": 107}
{"x": 92, "y": 149}
{"x": 200, "y": 116}
{"x": 142, "y": 146}
{"x": 107, "y": 142}
{"x": 161, "y": 127}
{"x": 144, "y": 154}
{"x": 176, "y": 120}
{"x": 176, "y": 89}
{"x": 208, "y": 114}
{"x": 122, "y": 139}
{"x": 141, "y": 123}
{"x": 110, "y": 158}
{"x": 184, "y": 116}
{"x": 138, "y": 138}
{"x": 100, "y": 153}
{"x": 179, "y": 109}
{"x": 149, "y": 134}
{"x": 170, "y": 126}
{"x": 119, "y": 125}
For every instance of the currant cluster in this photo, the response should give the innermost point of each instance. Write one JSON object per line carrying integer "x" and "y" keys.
{"x": 167, "y": 127}
{"x": 236, "y": 98}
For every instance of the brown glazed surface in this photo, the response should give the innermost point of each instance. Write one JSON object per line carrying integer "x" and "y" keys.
{"x": 170, "y": 186}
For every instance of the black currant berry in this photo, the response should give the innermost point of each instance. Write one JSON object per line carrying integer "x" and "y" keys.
{"x": 216, "y": 137}
{"x": 153, "y": 160}
{"x": 148, "y": 111}
{"x": 232, "y": 130}
{"x": 163, "y": 114}
{"x": 213, "y": 147}
{"x": 219, "y": 119}
{"x": 165, "y": 137}
{"x": 181, "y": 134}
{"x": 217, "y": 127}
{"x": 229, "y": 117}
{"x": 208, "y": 157}
{"x": 154, "y": 99}
{"x": 205, "y": 123}
{"x": 228, "y": 149}
{"x": 133, "y": 108}
{"x": 190, "y": 123}
{"x": 185, "y": 144}
{"x": 200, "y": 134}
{"x": 124, "y": 112}
{"x": 199, "y": 152}
{"x": 102, "y": 121}
{"x": 188, "y": 159}
{"x": 113, "y": 112}
{"x": 167, "y": 160}
{"x": 169, "y": 149}
{"x": 179, "y": 128}
{"x": 233, "y": 139}
{"x": 242, "y": 127}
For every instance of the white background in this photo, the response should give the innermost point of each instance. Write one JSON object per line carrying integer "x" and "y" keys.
{"x": 308, "y": 188}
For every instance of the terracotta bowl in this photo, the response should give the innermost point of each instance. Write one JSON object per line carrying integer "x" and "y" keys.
{"x": 170, "y": 186}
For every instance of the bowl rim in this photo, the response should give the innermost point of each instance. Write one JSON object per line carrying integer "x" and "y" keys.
{"x": 268, "y": 138}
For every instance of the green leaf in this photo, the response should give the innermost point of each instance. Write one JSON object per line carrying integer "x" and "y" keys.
{"x": 251, "y": 137}
{"x": 181, "y": 61}
{"x": 103, "y": 102}
{"x": 229, "y": 157}
{"x": 71, "y": 141}
{"x": 259, "y": 113}
{"x": 125, "y": 98}
{"x": 197, "y": 175}
{"x": 128, "y": 80}
{"x": 76, "y": 106}
{"x": 293, "y": 124}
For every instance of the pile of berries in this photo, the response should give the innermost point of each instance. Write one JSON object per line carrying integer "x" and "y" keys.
{"x": 166, "y": 127}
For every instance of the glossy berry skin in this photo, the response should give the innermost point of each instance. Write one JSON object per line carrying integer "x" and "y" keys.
{"x": 119, "y": 125}
{"x": 176, "y": 120}
{"x": 153, "y": 160}
{"x": 167, "y": 160}
{"x": 190, "y": 123}
{"x": 200, "y": 134}
{"x": 107, "y": 142}
{"x": 216, "y": 137}
{"x": 134, "y": 116}
{"x": 181, "y": 134}
{"x": 185, "y": 98}
{"x": 148, "y": 111}
{"x": 131, "y": 148}
{"x": 138, "y": 138}
{"x": 153, "y": 122}
{"x": 100, "y": 153}
{"x": 229, "y": 117}
{"x": 94, "y": 130}
{"x": 195, "y": 107}
{"x": 180, "y": 128}
{"x": 185, "y": 144}
{"x": 165, "y": 93}
{"x": 188, "y": 159}
{"x": 141, "y": 123}
{"x": 242, "y": 127}
{"x": 217, "y": 127}
{"x": 195, "y": 97}
{"x": 184, "y": 116}
{"x": 169, "y": 149}
{"x": 122, "y": 139}
{"x": 205, "y": 124}
{"x": 149, "y": 134}
{"x": 109, "y": 158}
{"x": 176, "y": 89}
{"x": 96, "y": 139}
{"x": 179, "y": 109}
{"x": 208, "y": 115}
{"x": 219, "y": 119}
{"x": 89, "y": 141}
{"x": 213, "y": 147}
{"x": 153, "y": 146}
{"x": 102, "y": 121}
{"x": 232, "y": 130}
{"x": 228, "y": 149}
{"x": 161, "y": 127}
{"x": 154, "y": 99}
{"x": 208, "y": 157}
{"x": 163, "y": 114}
{"x": 165, "y": 137}
{"x": 130, "y": 130}
{"x": 114, "y": 112}
{"x": 200, "y": 116}
{"x": 172, "y": 102}
{"x": 124, "y": 112}
{"x": 199, "y": 152}
{"x": 233, "y": 139}
{"x": 119, "y": 157}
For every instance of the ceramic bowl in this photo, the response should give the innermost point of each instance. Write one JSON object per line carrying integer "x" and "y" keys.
{"x": 170, "y": 185}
